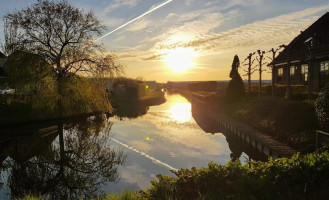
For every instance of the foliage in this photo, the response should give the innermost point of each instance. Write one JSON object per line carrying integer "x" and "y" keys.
{"x": 83, "y": 95}
{"x": 126, "y": 195}
{"x": 295, "y": 178}
{"x": 322, "y": 108}
{"x": 31, "y": 75}
{"x": 235, "y": 87}
{"x": 52, "y": 52}
{"x": 31, "y": 197}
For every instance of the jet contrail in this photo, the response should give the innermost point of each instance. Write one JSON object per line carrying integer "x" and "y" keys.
{"x": 131, "y": 21}
{"x": 144, "y": 154}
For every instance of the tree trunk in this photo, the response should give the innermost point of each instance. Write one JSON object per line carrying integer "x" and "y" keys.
{"x": 288, "y": 92}
{"x": 260, "y": 79}
{"x": 249, "y": 78}
{"x": 273, "y": 84}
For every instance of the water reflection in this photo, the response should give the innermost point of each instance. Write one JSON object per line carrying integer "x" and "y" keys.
{"x": 71, "y": 162}
{"x": 239, "y": 149}
{"x": 181, "y": 111}
{"x": 81, "y": 159}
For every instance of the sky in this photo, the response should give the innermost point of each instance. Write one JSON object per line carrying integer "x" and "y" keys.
{"x": 192, "y": 39}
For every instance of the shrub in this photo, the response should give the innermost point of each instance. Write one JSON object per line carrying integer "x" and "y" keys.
{"x": 235, "y": 87}
{"x": 295, "y": 178}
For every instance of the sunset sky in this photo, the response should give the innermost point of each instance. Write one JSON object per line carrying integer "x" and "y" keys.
{"x": 192, "y": 39}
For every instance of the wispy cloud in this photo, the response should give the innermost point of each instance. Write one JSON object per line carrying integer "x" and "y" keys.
{"x": 198, "y": 34}
{"x": 120, "y": 3}
{"x": 273, "y": 31}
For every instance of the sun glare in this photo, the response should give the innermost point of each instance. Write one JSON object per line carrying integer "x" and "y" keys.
{"x": 180, "y": 59}
{"x": 181, "y": 112}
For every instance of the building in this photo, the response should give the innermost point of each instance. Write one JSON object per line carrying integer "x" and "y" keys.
{"x": 305, "y": 61}
{"x": 2, "y": 61}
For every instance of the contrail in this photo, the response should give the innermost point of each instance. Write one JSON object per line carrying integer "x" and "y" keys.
{"x": 144, "y": 154}
{"x": 131, "y": 21}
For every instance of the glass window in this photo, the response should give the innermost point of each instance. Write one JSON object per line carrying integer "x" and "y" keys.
{"x": 280, "y": 71}
{"x": 324, "y": 73}
{"x": 305, "y": 69}
{"x": 305, "y": 72}
{"x": 292, "y": 70}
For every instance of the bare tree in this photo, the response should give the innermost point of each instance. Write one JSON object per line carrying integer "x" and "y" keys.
{"x": 63, "y": 35}
{"x": 273, "y": 51}
{"x": 260, "y": 59}
{"x": 250, "y": 69}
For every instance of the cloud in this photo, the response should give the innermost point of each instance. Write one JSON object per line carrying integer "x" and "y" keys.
{"x": 273, "y": 31}
{"x": 120, "y": 3}
{"x": 198, "y": 31}
{"x": 139, "y": 25}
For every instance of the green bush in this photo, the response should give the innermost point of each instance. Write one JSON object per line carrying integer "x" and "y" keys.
{"x": 295, "y": 178}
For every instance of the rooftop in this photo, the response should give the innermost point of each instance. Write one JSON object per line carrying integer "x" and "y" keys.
{"x": 298, "y": 48}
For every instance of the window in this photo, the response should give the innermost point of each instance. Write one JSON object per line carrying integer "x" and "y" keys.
{"x": 324, "y": 72}
{"x": 280, "y": 75}
{"x": 305, "y": 72}
{"x": 280, "y": 71}
{"x": 292, "y": 73}
{"x": 292, "y": 70}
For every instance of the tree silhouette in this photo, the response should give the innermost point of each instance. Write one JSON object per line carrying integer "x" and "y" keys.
{"x": 250, "y": 69}
{"x": 273, "y": 51}
{"x": 63, "y": 36}
{"x": 260, "y": 60}
{"x": 235, "y": 87}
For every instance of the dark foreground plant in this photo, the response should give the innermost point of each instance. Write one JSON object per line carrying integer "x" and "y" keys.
{"x": 295, "y": 178}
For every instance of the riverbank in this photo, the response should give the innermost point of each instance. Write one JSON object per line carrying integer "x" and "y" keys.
{"x": 16, "y": 111}
{"x": 291, "y": 122}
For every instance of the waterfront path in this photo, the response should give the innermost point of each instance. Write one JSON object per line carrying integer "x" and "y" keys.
{"x": 262, "y": 142}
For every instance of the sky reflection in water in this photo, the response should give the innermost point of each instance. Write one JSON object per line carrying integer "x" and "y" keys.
{"x": 169, "y": 134}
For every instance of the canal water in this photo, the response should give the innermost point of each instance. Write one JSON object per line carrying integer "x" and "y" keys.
{"x": 95, "y": 155}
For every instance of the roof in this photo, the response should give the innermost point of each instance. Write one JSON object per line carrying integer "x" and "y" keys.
{"x": 2, "y": 55}
{"x": 299, "y": 47}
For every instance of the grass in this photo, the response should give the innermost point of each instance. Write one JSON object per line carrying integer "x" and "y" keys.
{"x": 293, "y": 122}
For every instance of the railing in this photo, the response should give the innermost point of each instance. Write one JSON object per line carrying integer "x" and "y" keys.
{"x": 322, "y": 139}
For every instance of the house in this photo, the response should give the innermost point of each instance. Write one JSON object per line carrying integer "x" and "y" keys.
{"x": 305, "y": 61}
{"x": 2, "y": 61}
{"x": 152, "y": 85}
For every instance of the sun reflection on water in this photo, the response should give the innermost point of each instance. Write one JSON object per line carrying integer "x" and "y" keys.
{"x": 180, "y": 110}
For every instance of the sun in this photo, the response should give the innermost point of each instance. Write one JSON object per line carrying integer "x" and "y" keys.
{"x": 180, "y": 59}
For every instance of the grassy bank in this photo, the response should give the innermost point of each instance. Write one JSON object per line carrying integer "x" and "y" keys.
{"x": 285, "y": 178}
{"x": 291, "y": 122}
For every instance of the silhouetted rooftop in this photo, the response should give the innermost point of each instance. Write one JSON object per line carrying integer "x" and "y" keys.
{"x": 2, "y": 55}
{"x": 318, "y": 33}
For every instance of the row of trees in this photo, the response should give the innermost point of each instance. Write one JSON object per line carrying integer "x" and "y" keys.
{"x": 260, "y": 57}
{"x": 259, "y": 67}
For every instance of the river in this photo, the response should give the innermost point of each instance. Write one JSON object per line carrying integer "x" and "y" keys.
{"x": 93, "y": 156}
